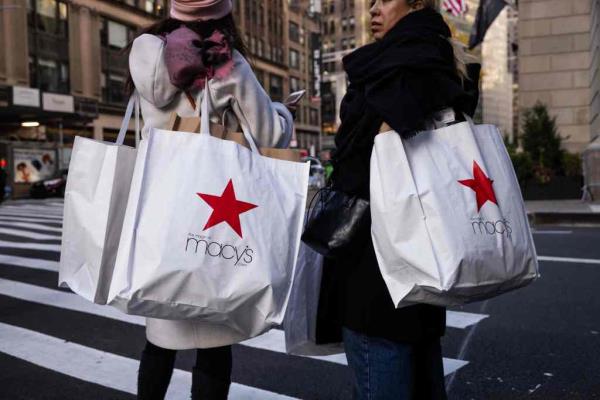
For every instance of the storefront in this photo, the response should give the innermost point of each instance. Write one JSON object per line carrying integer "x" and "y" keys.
{"x": 37, "y": 130}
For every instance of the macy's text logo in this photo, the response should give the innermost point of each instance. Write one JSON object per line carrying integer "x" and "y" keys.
{"x": 211, "y": 248}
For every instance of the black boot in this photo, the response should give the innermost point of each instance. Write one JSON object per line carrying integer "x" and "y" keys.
{"x": 156, "y": 368}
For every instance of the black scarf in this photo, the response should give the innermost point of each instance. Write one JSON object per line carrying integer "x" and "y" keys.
{"x": 402, "y": 79}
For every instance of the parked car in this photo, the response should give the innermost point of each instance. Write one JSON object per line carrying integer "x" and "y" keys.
{"x": 316, "y": 178}
{"x": 51, "y": 187}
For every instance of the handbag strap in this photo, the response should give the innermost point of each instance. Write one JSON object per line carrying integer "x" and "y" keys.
{"x": 134, "y": 102}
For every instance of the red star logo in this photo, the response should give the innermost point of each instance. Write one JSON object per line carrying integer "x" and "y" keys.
{"x": 226, "y": 208}
{"x": 482, "y": 185}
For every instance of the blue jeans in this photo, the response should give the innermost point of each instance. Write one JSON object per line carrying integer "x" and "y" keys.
{"x": 389, "y": 370}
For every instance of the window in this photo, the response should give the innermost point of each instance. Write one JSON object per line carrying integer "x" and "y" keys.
{"x": 261, "y": 46}
{"x": 344, "y": 44}
{"x": 155, "y": 7}
{"x": 294, "y": 84}
{"x": 276, "y": 87}
{"x": 114, "y": 37}
{"x": 294, "y": 59}
{"x": 294, "y": 32}
{"x": 50, "y": 75}
{"x": 50, "y": 17}
{"x": 49, "y": 45}
{"x": 314, "y": 117}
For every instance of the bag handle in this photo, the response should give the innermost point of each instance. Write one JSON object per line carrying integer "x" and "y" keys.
{"x": 205, "y": 108}
{"x": 134, "y": 102}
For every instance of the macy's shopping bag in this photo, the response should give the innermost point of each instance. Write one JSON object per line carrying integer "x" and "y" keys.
{"x": 211, "y": 232}
{"x": 449, "y": 224}
{"x": 97, "y": 189}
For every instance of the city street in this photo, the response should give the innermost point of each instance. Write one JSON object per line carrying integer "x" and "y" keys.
{"x": 540, "y": 342}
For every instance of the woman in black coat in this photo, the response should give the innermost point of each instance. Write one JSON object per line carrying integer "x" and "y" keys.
{"x": 401, "y": 80}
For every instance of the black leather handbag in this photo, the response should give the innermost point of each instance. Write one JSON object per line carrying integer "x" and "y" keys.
{"x": 334, "y": 221}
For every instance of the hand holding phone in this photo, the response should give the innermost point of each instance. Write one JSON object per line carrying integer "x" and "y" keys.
{"x": 294, "y": 98}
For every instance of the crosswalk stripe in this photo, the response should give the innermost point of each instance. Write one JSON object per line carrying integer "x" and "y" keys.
{"x": 36, "y": 209}
{"x": 9, "y": 213}
{"x": 99, "y": 367}
{"x": 28, "y": 235}
{"x": 462, "y": 320}
{"x": 28, "y": 225}
{"x": 569, "y": 260}
{"x": 454, "y": 319}
{"x": 30, "y": 246}
{"x": 4, "y": 218}
{"x": 273, "y": 340}
{"x": 27, "y": 262}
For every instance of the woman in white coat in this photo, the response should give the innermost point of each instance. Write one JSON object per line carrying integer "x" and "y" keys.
{"x": 169, "y": 63}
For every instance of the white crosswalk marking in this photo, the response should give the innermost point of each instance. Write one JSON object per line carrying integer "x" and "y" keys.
{"x": 26, "y": 262}
{"x": 454, "y": 319}
{"x": 27, "y": 225}
{"x": 28, "y": 234}
{"x": 99, "y": 367}
{"x": 30, "y": 246}
{"x": 30, "y": 222}
{"x": 4, "y": 218}
{"x": 273, "y": 340}
{"x": 25, "y": 214}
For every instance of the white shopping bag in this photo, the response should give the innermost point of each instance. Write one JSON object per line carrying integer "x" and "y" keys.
{"x": 97, "y": 189}
{"x": 211, "y": 232}
{"x": 449, "y": 224}
{"x": 300, "y": 322}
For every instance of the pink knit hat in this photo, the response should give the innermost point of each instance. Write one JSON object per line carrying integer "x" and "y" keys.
{"x": 199, "y": 10}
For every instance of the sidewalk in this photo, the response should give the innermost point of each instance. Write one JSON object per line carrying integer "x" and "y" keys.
{"x": 567, "y": 212}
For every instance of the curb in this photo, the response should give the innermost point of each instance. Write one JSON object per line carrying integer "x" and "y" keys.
{"x": 573, "y": 219}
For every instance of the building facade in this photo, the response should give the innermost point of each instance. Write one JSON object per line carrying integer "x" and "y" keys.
{"x": 558, "y": 65}
{"x": 499, "y": 80}
{"x": 345, "y": 26}
{"x": 63, "y": 66}
{"x": 62, "y": 70}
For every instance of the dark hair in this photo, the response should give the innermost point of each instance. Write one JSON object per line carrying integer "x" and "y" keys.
{"x": 225, "y": 25}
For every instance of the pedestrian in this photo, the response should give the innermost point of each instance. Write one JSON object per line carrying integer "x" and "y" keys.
{"x": 398, "y": 82}
{"x": 169, "y": 64}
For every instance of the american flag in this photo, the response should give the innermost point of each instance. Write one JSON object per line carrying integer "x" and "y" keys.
{"x": 456, "y": 7}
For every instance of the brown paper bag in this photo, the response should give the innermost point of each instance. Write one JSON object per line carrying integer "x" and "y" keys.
{"x": 192, "y": 124}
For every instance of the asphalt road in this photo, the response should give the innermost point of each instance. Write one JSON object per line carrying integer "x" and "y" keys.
{"x": 540, "y": 342}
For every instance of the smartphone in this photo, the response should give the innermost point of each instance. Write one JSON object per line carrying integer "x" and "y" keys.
{"x": 295, "y": 97}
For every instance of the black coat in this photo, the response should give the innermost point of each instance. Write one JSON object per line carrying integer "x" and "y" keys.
{"x": 402, "y": 80}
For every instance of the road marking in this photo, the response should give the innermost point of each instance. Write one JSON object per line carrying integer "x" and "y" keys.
{"x": 23, "y": 219}
{"x": 549, "y": 232}
{"x": 35, "y": 209}
{"x": 30, "y": 246}
{"x": 462, "y": 320}
{"x": 100, "y": 367}
{"x": 29, "y": 215}
{"x": 28, "y": 225}
{"x": 274, "y": 340}
{"x": 569, "y": 260}
{"x": 454, "y": 319}
{"x": 26, "y": 262}
{"x": 28, "y": 234}
{"x": 64, "y": 300}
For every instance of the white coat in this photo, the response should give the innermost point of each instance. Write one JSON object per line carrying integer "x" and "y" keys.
{"x": 239, "y": 94}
